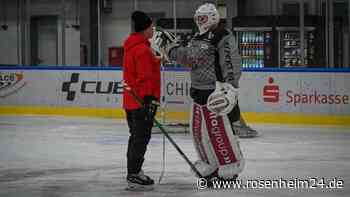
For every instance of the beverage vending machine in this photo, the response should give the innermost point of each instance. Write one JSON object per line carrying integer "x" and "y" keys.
{"x": 289, "y": 54}
{"x": 255, "y": 46}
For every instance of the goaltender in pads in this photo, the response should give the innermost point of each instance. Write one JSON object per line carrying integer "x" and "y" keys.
{"x": 214, "y": 59}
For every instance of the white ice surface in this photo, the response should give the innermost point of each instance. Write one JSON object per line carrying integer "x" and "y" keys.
{"x": 64, "y": 157}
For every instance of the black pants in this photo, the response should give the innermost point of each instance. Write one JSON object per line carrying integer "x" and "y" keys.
{"x": 140, "y": 133}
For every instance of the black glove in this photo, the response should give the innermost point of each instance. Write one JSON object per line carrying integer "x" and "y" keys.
{"x": 150, "y": 105}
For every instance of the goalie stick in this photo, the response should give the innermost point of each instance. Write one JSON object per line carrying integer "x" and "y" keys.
{"x": 140, "y": 102}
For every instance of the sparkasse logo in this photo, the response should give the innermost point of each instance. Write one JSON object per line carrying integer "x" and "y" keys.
{"x": 314, "y": 96}
{"x": 271, "y": 92}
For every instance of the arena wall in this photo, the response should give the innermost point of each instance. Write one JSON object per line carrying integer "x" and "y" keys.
{"x": 287, "y": 96}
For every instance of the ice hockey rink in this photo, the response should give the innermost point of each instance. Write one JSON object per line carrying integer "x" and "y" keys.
{"x": 82, "y": 157}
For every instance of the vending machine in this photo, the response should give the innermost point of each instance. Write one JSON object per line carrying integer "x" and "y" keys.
{"x": 255, "y": 46}
{"x": 289, "y": 53}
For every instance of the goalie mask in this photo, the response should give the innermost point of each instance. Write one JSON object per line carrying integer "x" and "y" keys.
{"x": 223, "y": 99}
{"x": 206, "y": 16}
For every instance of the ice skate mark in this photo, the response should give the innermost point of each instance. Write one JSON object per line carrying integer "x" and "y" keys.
{"x": 178, "y": 186}
{"x": 165, "y": 189}
{"x": 22, "y": 173}
{"x": 67, "y": 187}
{"x": 173, "y": 128}
{"x": 7, "y": 124}
{"x": 110, "y": 140}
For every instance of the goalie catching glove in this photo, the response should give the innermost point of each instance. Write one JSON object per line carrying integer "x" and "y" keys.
{"x": 223, "y": 99}
{"x": 163, "y": 41}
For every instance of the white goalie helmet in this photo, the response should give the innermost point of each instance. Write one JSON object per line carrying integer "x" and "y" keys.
{"x": 206, "y": 16}
{"x": 223, "y": 99}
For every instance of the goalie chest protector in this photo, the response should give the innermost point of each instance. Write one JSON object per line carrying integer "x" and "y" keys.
{"x": 202, "y": 54}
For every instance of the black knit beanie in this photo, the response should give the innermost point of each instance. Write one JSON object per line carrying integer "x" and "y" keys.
{"x": 141, "y": 21}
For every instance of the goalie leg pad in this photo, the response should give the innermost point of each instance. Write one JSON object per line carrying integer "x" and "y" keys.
{"x": 224, "y": 143}
{"x": 197, "y": 130}
{"x": 206, "y": 164}
{"x": 215, "y": 142}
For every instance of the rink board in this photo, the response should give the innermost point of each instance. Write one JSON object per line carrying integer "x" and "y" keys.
{"x": 270, "y": 96}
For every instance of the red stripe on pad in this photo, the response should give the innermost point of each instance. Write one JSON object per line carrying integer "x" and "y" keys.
{"x": 197, "y": 132}
{"x": 218, "y": 137}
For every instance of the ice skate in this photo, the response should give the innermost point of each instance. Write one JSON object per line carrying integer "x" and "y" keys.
{"x": 244, "y": 131}
{"x": 139, "y": 182}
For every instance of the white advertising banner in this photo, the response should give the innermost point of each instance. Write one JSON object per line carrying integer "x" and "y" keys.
{"x": 86, "y": 88}
{"x": 299, "y": 92}
{"x": 321, "y": 93}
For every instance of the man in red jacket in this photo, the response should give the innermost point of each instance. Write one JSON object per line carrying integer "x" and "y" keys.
{"x": 141, "y": 71}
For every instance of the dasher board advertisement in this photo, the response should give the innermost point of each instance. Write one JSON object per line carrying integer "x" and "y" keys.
{"x": 289, "y": 92}
{"x": 84, "y": 88}
{"x": 309, "y": 93}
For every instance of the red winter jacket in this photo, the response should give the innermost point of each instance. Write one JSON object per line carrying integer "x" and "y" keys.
{"x": 141, "y": 70}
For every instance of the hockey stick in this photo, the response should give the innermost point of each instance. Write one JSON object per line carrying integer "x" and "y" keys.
{"x": 162, "y": 114}
{"x": 140, "y": 102}
{"x": 163, "y": 162}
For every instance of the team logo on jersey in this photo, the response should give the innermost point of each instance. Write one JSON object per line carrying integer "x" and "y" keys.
{"x": 204, "y": 46}
{"x": 10, "y": 83}
{"x": 271, "y": 92}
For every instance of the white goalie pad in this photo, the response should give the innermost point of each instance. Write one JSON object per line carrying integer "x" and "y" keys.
{"x": 215, "y": 143}
{"x": 223, "y": 99}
